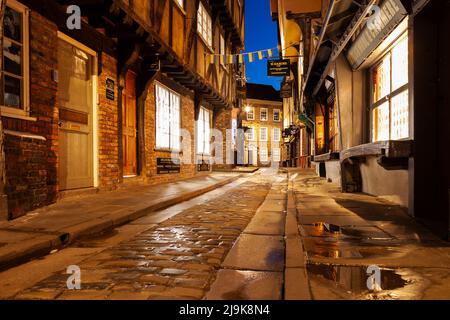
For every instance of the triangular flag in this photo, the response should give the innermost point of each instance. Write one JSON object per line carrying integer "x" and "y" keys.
{"x": 211, "y": 59}
{"x": 230, "y": 59}
{"x": 221, "y": 59}
{"x": 250, "y": 57}
{"x": 269, "y": 53}
{"x": 260, "y": 55}
{"x": 241, "y": 59}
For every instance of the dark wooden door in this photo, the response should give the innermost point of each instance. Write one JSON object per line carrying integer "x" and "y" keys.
{"x": 129, "y": 130}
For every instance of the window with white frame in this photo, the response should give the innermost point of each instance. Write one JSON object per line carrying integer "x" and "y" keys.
{"x": 180, "y": 3}
{"x": 204, "y": 24}
{"x": 276, "y": 134}
{"x": 167, "y": 118}
{"x": 14, "y": 95}
{"x": 390, "y": 105}
{"x": 263, "y": 134}
{"x": 276, "y": 155}
{"x": 276, "y": 115}
{"x": 204, "y": 131}
{"x": 222, "y": 48}
{"x": 250, "y": 134}
{"x": 251, "y": 113}
{"x": 263, "y": 156}
{"x": 263, "y": 114}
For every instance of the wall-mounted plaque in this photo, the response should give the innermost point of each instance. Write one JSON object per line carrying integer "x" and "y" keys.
{"x": 168, "y": 165}
{"x": 286, "y": 89}
{"x": 110, "y": 93}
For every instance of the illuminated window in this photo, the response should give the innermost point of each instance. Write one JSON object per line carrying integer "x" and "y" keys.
{"x": 167, "y": 118}
{"x": 263, "y": 157}
{"x": 276, "y": 155}
{"x": 390, "y": 106}
{"x": 14, "y": 96}
{"x": 204, "y": 24}
{"x": 276, "y": 134}
{"x": 263, "y": 134}
{"x": 250, "y": 134}
{"x": 204, "y": 131}
{"x": 263, "y": 114}
{"x": 251, "y": 113}
{"x": 222, "y": 48}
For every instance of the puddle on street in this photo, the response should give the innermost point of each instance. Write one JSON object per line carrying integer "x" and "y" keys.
{"x": 322, "y": 229}
{"x": 361, "y": 253}
{"x": 352, "y": 280}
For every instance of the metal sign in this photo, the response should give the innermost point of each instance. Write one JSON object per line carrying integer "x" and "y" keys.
{"x": 110, "y": 94}
{"x": 286, "y": 89}
{"x": 167, "y": 165}
{"x": 391, "y": 14}
{"x": 278, "y": 68}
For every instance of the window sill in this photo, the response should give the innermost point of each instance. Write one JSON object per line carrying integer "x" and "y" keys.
{"x": 167, "y": 150}
{"x": 208, "y": 47}
{"x": 16, "y": 114}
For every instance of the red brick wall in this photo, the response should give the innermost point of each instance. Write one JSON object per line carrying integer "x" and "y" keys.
{"x": 108, "y": 143}
{"x": 31, "y": 165}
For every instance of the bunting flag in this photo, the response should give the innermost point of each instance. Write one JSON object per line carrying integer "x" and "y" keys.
{"x": 241, "y": 57}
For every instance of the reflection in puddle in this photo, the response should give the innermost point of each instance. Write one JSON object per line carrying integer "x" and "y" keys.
{"x": 321, "y": 229}
{"x": 339, "y": 252}
{"x": 353, "y": 280}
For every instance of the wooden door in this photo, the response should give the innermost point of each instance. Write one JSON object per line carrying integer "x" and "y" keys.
{"x": 75, "y": 102}
{"x": 129, "y": 130}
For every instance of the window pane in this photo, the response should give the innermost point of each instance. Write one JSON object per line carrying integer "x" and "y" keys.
{"x": 162, "y": 118}
{"x": 276, "y": 134}
{"x": 400, "y": 116}
{"x": 276, "y": 154}
{"x": 382, "y": 79}
{"x": 263, "y": 155}
{"x": 263, "y": 114}
{"x": 400, "y": 65}
{"x": 12, "y": 57}
{"x": 180, "y": 2}
{"x": 174, "y": 121}
{"x": 13, "y": 88}
{"x": 200, "y": 132}
{"x": 381, "y": 122}
{"x": 276, "y": 115}
{"x": 263, "y": 134}
{"x": 207, "y": 135}
{"x": 13, "y": 24}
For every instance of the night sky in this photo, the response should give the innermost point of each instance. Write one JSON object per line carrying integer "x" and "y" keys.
{"x": 260, "y": 33}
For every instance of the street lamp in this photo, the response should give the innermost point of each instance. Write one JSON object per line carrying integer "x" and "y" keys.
{"x": 248, "y": 108}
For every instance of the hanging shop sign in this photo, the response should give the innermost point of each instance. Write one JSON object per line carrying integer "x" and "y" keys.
{"x": 278, "y": 68}
{"x": 168, "y": 165}
{"x": 391, "y": 13}
{"x": 110, "y": 94}
{"x": 241, "y": 92}
{"x": 286, "y": 89}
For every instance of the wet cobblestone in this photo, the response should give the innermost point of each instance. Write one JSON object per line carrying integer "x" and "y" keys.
{"x": 178, "y": 259}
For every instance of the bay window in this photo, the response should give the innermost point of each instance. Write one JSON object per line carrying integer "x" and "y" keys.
{"x": 14, "y": 93}
{"x": 204, "y": 131}
{"x": 167, "y": 119}
{"x": 390, "y": 104}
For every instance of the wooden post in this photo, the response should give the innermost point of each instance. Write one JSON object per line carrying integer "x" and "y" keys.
{"x": 3, "y": 198}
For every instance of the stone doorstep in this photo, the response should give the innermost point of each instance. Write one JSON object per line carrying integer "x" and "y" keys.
{"x": 38, "y": 246}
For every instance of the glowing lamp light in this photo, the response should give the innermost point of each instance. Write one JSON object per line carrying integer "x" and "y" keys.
{"x": 248, "y": 108}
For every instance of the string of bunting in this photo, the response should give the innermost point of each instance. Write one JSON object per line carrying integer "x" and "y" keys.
{"x": 241, "y": 57}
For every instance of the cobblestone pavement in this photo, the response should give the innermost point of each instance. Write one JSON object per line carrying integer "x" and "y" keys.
{"x": 176, "y": 259}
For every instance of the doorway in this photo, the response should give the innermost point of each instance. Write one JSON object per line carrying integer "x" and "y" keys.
{"x": 129, "y": 128}
{"x": 76, "y": 85}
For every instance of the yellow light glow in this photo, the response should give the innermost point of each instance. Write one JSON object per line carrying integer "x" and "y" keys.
{"x": 248, "y": 108}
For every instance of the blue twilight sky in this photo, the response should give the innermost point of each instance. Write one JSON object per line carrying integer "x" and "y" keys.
{"x": 260, "y": 33}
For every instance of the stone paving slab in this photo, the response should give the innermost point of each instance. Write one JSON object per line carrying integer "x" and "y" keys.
{"x": 268, "y": 223}
{"x": 54, "y": 226}
{"x": 256, "y": 252}
{"x": 246, "y": 285}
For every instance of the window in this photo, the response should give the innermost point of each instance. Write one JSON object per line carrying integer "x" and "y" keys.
{"x": 390, "y": 106}
{"x": 180, "y": 3}
{"x": 251, "y": 113}
{"x": 14, "y": 95}
{"x": 276, "y": 154}
{"x": 204, "y": 131}
{"x": 263, "y": 134}
{"x": 263, "y": 114}
{"x": 276, "y": 134}
{"x": 276, "y": 115}
{"x": 167, "y": 119}
{"x": 250, "y": 134}
{"x": 263, "y": 157}
{"x": 204, "y": 24}
{"x": 222, "y": 48}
